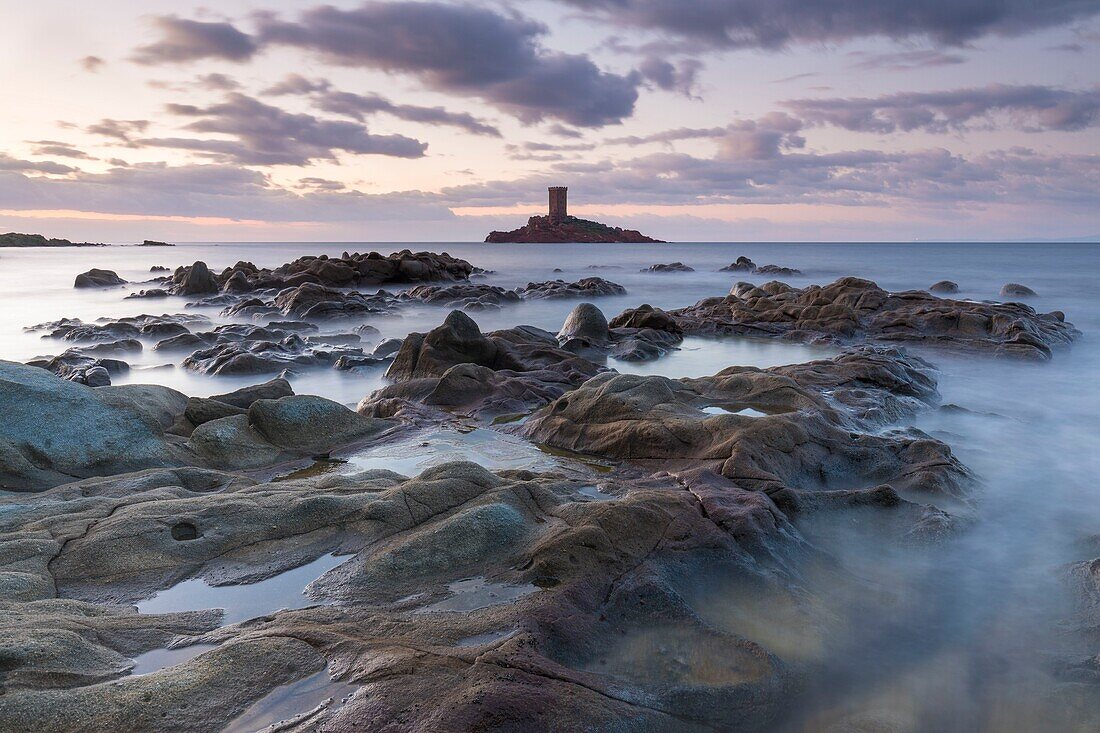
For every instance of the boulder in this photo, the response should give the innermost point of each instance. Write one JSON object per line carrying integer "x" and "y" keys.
{"x": 946, "y": 287}
{"x": 194, "y": 280}
{"x": 1016, "y": 290}
{"x": 96, "y": 278}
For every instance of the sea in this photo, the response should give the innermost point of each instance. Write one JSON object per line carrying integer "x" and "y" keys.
{"x": 971, "y": 633}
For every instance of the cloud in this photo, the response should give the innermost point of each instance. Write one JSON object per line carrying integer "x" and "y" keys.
{"x": 681, "y": 78}
{"x": 185, "y": 40}
{"x": 764, "y": 137}
{"x": 92, "y": 63}
{"x": 59, "y": 149}
{"x": 360, "y": 106}
{"x": 1028, "y": 107}
{"x": 117, "y": 129}
{"x": 458, "y": 49}
{"x": 8, "y": 163}
{"x": 296, "y": 84}
{"x": 217, "y": 82}
{"x": 224, "y": 191}
{"x": 905, "y": 60}
{"x": 266, "y": 135}
{"x": 775, "y": 24}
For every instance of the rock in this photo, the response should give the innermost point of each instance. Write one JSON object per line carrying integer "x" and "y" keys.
{"x": 15, "y": 239}
{"x": 273, "y": 389}
{"x": 587, "y": 323}
{"x": 802, "y": 444}
{"x": 56, "y": 430}
{"x": 194, "y": 280}
{"x": 743, "y": 264}
{"x": 540, "y": 229}
{"x": 247, "y": 357}
{"x": 1016, "y": 290}
{"x": 95, "y": 278}
{"x": 159, "y": 268}
{"x": 777, "y": 270}
{"x": 310, "y": 425}
{"x": 151, "y": 293}
{"x": 385, "y": 348}
{"x": 589, "y": 287}
{"x": 467, "y": 296}
{"x": 201, "y": 410}
{"x": 646, "y": 316}
{"x": 97, "y": 376}
{"x": 852, "y": 309}
{"x": 670, "y": 267}
{"x": 457, "y": 341}
{"x": 944, "y": 286}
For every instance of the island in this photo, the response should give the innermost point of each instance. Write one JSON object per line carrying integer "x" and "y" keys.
{"x": 155, "y": 243}
{"x": 15, "y": 239}
{"x": 559, "y": 227}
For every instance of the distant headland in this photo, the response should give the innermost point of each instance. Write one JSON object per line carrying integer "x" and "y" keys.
{"x": 559, "y": 228}
{"x": 15, "y": 239}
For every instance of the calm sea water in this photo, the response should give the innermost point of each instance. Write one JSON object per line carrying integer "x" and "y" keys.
{"x": 975, "y": 626}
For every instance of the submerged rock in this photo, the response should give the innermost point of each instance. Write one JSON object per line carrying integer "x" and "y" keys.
{"x": 670, "y": 267}
{"x": 944, "y": 286}
{"x": 1016, "y": 290}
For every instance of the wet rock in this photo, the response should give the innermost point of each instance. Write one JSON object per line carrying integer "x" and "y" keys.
{"x": 152, "y": 293}
{"x": 742, "y": 264}
{"x": 803, "y": 443}
{"x": 385, "y": 348}
{"x": 944, "y": 287}
{"x": 587, "y": 323}
{"x": 310, "y": 424}
{"x": 457, "y": 366}
{"x": 588, "y": 287}
{"x": 273, "y": 389}
{"x": 318, "y": 302}
{"x": 852, "y": 309}
{"x": 186, "y": 342}
{"x": 467, "y": 296}
{"x": 95, "y": 278}
{"x": 248, "y": 356}
{"x": 74, "y": 364}
{"x": 457, "y": 341}
{"x": 56, "y": 430}
{"x": 669, "y": 267}
{"x": 586, "y": 331}
{"x": 202, "y": 410}
{"x": 646, "y": 316}
{"x": 777, "y": 270}
{"x": 97, "y": 376}
{"x": 349, "y": 270}
{"x": 1016, "y": 290}
{"x": 194, "y": 280}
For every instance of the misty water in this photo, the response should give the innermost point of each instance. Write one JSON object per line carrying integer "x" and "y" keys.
{"x": 966, "y": 634}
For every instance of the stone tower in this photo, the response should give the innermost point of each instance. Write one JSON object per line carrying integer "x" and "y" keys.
{"x": 558, "y": 204}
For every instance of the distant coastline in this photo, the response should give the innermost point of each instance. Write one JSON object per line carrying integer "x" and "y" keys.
{"x": 16, "y": 239}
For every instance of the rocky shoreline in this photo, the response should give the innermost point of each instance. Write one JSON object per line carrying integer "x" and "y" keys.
{"x": 576, "y": 594}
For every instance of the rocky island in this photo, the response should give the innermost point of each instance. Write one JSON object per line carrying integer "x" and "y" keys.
{"x": 15, "y": 239}
{"x": 559, "y": 227}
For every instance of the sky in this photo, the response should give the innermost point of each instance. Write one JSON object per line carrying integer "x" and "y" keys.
{"x": 692, "y": 120}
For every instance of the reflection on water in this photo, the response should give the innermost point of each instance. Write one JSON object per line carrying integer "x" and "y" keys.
{"x": 292, "y": 702}
{"x": 156, "y": 659}
{"x": 241, "y": 602}
{"x": 410, "y": 456}
{"x": 472, "y": 594}
{"x": 699, "y": 357}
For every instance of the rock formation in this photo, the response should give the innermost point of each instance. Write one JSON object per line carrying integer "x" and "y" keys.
{"x": 541, "y": 229}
